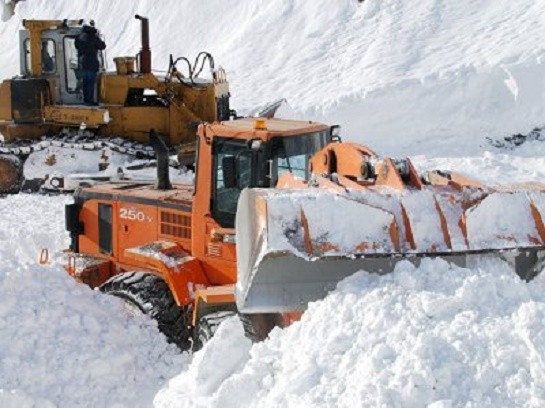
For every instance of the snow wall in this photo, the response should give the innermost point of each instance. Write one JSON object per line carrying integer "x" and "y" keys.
{"x": 395, "y": 74}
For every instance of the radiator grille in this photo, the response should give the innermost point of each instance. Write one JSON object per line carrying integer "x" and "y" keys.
{"x": 175, "y": 225}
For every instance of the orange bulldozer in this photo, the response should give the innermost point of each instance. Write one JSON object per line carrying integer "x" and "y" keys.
{"x": 279, "y": 212}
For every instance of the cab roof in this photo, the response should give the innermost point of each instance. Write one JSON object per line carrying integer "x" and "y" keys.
{"x": 245, "y": 128}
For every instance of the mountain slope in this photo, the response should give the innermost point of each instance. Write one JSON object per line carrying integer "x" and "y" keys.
{"x": 394, "y": 73}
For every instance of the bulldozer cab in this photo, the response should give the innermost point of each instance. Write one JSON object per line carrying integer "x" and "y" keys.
{"x": 266, "y": 151}
{"x": 48, "y": 50}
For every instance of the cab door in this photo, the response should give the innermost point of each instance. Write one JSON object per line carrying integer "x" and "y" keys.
{"x": 220, "y": 250}
{"x": 105, "y": 228}
{"x": 100, "y": 226}
{"x": 70, "y": 91}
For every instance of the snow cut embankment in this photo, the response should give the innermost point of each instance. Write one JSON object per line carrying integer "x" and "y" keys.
{"x": 445, "y": 113}
{"x": 401, "y": 75}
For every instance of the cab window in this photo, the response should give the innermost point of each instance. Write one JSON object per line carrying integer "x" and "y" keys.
{"x": 224, "y": 198}
{"x": 49, "y": 62}
{"x": 292, "y": 154}
{"x": 71, "y": 66}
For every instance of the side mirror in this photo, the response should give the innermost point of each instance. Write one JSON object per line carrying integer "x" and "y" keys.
{"x": 335, "y": 133}
{"x": 228, "y": 166}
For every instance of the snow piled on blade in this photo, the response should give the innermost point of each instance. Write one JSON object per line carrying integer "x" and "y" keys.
{"x": 337, "y": 224}
{"x": 433, "y": 336}
{"x": 62, "y": 344}
{"x": 501, "y": 219}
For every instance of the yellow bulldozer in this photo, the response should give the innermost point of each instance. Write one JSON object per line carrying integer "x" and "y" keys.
{"x": 42, "y": 108}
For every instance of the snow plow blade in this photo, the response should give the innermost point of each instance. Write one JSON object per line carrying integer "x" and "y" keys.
{"x": 294, "y": 246}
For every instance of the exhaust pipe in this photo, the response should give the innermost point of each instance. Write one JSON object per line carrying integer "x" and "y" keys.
{"x": 161, "y": 150}
{"x": 145, "y": 53}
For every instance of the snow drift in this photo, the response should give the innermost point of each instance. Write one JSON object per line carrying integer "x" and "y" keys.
{"x": 62, "y": 344}
{"x": 435, "y": 336}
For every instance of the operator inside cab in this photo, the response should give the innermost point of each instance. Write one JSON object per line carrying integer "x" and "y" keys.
{"x": 48, "y": 57}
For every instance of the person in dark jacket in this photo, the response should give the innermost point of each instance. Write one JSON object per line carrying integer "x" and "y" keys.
{"x": 88, "y": 43}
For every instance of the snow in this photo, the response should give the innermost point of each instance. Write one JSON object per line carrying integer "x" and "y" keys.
{"x": 314, "y": 223}
{"x": 430, "y": 79}
{"x": 79, "y": 167}
{"x": 425, "y": 222}
{"x": 435, "y": 336}
{"x": 488, "y": 225}
{"x": 154, "y": 250}
{"x": 225, "y": 355}
{"x": 62, "y": 344}
{"x": 393, "y": 73}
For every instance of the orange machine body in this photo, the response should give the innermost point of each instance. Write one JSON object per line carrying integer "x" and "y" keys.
{"x": 132, "y": 226}
{"x": 186, "y": 234}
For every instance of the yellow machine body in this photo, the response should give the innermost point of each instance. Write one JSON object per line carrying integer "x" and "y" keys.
{"x": 47, "y": 96}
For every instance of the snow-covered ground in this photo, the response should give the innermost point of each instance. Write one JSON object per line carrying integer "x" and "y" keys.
{"x": 62, "y": 344}
{"x": 436, "y": 336}
{"x": 430, "y": 79}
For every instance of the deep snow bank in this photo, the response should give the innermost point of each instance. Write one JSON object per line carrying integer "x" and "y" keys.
{"x": 394, "y": 73}
{"x": 62, "y": 344}
{"x": 436, "y": 336}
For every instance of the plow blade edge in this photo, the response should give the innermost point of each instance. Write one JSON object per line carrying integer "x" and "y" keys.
{"x": 294, "y": 246}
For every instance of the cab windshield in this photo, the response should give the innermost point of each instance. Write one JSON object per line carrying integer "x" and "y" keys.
{"x": 258, "y": 167}
{"x": 293, "y": 153}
